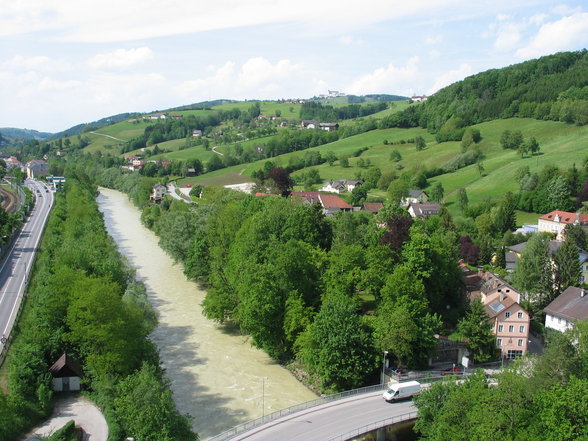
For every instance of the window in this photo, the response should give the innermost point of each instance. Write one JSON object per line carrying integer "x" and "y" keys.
{"x": 520, "y": 342}
{"x": 520, "y": 315}
{"x": 511, "y": 328}
{"x": 498, "y": 342}
{"x": 507, "y": 314}
{"x": 522, "y": 329}
{"x": 500, "y": 328}
{"x": 513, "y": 354}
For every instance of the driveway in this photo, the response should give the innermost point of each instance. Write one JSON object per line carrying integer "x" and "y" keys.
{"x": 78, "y": 408}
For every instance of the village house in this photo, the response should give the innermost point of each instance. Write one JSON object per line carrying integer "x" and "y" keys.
{"x": 424, "y": 210}
{"x": 331, "y": 203}
{"x": 418, "y": 98}
{"x": 567, "y": 308}
{"x": 157, "y": 116}
{"x": 373, "y": 207}
{"x": 177, "y": 116}
{"x": 514, "y": 253}
{"x": 196, "y": 133}
{"x": 414, "y": 197}
{"x": 510, "y": 321}
{"x": 556, "y": 221}
{"x": 157, "y": 193}
{"x": 308, "y": 124}
{"x": 36, "y": 167}
{"x": 328, "y": 127}
{"x": 340, "y": 186}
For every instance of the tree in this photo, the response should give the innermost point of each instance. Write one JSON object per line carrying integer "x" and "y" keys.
{"x": 533, "y": 273}
{"x": 358, "y": 195}
{"x": 344, "y": 161}
{"x": 568, "y": 269}
{"x": 397, "y": 191}
{"x": 437, "y": 192}
{"x": 480, "y": 167}
{"x": 533, "y": 145}
{"x": 281, "y": 179}
{"x": 395, "y": 156}
{"x": 463, "y": 199}
{"x": 576, "y": 234}
{"x": 558, "y": 194}
{"x": 506, "y": 216}
{"x": 476, "y": 330}
{"x": 420, "y": 143}
{"x": 338, "y": 346}
{"x": 330, "y": 157}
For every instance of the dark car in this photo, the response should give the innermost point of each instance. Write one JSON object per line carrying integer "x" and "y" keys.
{"x": 456, "y": 370}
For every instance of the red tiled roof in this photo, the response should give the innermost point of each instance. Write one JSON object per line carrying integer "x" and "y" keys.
{"x": 333, "y": 201}
{"x": 565, "y": 217}
{"x": 374, "y": 207}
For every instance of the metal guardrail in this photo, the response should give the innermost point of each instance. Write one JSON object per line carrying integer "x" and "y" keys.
{"x": 374, "y": 426}
{"x": 248, "y": 425}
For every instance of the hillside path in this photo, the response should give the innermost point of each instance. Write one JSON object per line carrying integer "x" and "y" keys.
{"x": 78, "y": 408}
{"x": 108, "y": 136}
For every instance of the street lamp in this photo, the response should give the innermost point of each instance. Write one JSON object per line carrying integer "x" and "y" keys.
{"x": 383, "y": 367}
{"x": 263, "y": 397}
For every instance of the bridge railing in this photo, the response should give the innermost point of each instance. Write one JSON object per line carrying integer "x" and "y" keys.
{"x": 248, "y": 425}
{"x": 374, "y": 426}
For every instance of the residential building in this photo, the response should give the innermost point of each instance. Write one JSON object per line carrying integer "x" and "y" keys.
{"x": 328, "y": 127}
{"x": 158, "y": 192}
{"x": 340, "y": 186}
{"x": 514, "y": 252}
{"x": 556, "y": 221}
{"x": 510, "y": 321}
{"x": 36, "y": 167}
{"x": 424, "y": 210}
{"x": 570, "y": 306}
{"x": 309, "y": 124}
{"x": 414, "y": 197}
{"x": 196, "y": 133}
{"x": 331, "y": 203}
{"x": 418, "y": 98}
{"x": 374, "y": 207}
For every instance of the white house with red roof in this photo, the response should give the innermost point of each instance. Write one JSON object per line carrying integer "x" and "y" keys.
{"x": 331, "y": 203}
{"x": 556, "y": 221}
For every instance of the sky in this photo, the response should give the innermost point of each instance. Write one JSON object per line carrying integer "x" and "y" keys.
{"x": 66, "y": 62}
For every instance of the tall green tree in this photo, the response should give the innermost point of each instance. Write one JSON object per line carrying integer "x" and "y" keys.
{"x": 437, "y": 192}
{"x": 576, "y": 234}
{"x": 533, "y": 274}
{"x": 475, "y": 328}
{"x": 568, "y": 269}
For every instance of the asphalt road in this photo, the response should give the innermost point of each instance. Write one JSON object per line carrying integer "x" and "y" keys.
{"x": 17, "y": 264}
{"x": 329, "y": 420}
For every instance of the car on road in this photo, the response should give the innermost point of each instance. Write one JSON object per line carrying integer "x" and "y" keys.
{"x": 455, "y": 370}
{"x": 400, "y": 391}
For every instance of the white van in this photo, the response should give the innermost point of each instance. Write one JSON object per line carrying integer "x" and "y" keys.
{"x": 399, "y": 391}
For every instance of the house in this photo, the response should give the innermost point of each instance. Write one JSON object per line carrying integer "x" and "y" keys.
{"x": 414, "y": 197}
{"x": 157, "y": 193}
{"x": 66, "y": 374}
{"x": 328, "y": 127}
{"x": 510, "y": 321}
{"x": 341, "y": 186}
{"x": 12, "y": 162}
{"x": 157, "y": 116}
{"x": 196, "y": 133}
{"x": 556, "y": 221}
{"x": 418, "y": 98}
{"x": 374, "y": 207}
{"x": 36, "y": 167}
{"x": 424, "y": 210}
{"x": 177, "y": 116}
{"x": 308, "y": 124}
{"x": 331, "y": 203}
{"x": 514, "y": 252}
{"x": 570, "y": 306}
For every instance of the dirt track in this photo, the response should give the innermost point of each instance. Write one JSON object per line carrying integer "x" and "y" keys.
{"x": 9, "y": 202}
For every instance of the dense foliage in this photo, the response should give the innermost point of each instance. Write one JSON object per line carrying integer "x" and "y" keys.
{"x": 83, "y": 301}
{"x": 312, "y": 110}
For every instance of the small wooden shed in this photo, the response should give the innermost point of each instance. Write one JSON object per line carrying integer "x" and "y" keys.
{"x": 67, "y": 373}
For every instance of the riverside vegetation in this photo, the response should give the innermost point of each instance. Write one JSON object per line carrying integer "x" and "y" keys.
{"x": 83, "y": 300}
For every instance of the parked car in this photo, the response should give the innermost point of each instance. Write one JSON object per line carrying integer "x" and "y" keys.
{"x": 399, "y": 371}
{"x": 455, "y": 370}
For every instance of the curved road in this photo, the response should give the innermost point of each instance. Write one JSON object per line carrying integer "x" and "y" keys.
{"x": 329, "y": 420}
{"x": 18, "y": 261}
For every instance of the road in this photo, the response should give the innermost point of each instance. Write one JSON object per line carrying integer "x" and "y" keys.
{"x": 18, "y": 261}
{"x": 329, "y": 420}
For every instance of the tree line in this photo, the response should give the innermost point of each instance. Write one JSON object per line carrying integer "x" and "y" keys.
{"x": 83, "y": 300}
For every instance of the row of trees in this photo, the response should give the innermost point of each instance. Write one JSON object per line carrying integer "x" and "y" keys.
{"x": 83, "y": 301}
{"x": 325, "y": 113}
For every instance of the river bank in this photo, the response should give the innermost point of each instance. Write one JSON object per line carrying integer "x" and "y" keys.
{"x": 216, "y": 375}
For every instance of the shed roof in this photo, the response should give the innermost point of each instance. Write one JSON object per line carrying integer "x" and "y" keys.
{"x": 66, "y": 366}
{"x": 572, "y": 304}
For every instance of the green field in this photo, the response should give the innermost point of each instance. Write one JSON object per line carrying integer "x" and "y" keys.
{"x": 561, "y": 144}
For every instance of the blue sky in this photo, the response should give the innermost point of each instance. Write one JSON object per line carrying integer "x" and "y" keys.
{"x": 65, "y": 62}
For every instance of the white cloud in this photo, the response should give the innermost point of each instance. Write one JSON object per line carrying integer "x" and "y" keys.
{"x": 565, "y": 10}
{"x": 390, "y": 79}
{"x": 568, "y": 33}
{"x": 93, "y": 21}
{"x": 433, "y": 39}
{"x": 450, "y": 77}
{"x": 121, "y": 58}
{"x": 434, "y": 54}
{"x": 255, "y": 78}
{"x": 508, "y": 36}
{"x": 36, "y": 63}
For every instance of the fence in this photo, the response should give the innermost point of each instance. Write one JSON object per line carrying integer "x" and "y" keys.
{"x": 293, "y": 409}
{"x": 377, "y": 425}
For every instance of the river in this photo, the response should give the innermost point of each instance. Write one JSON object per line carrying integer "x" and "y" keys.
{"x": 216, "y": 376}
